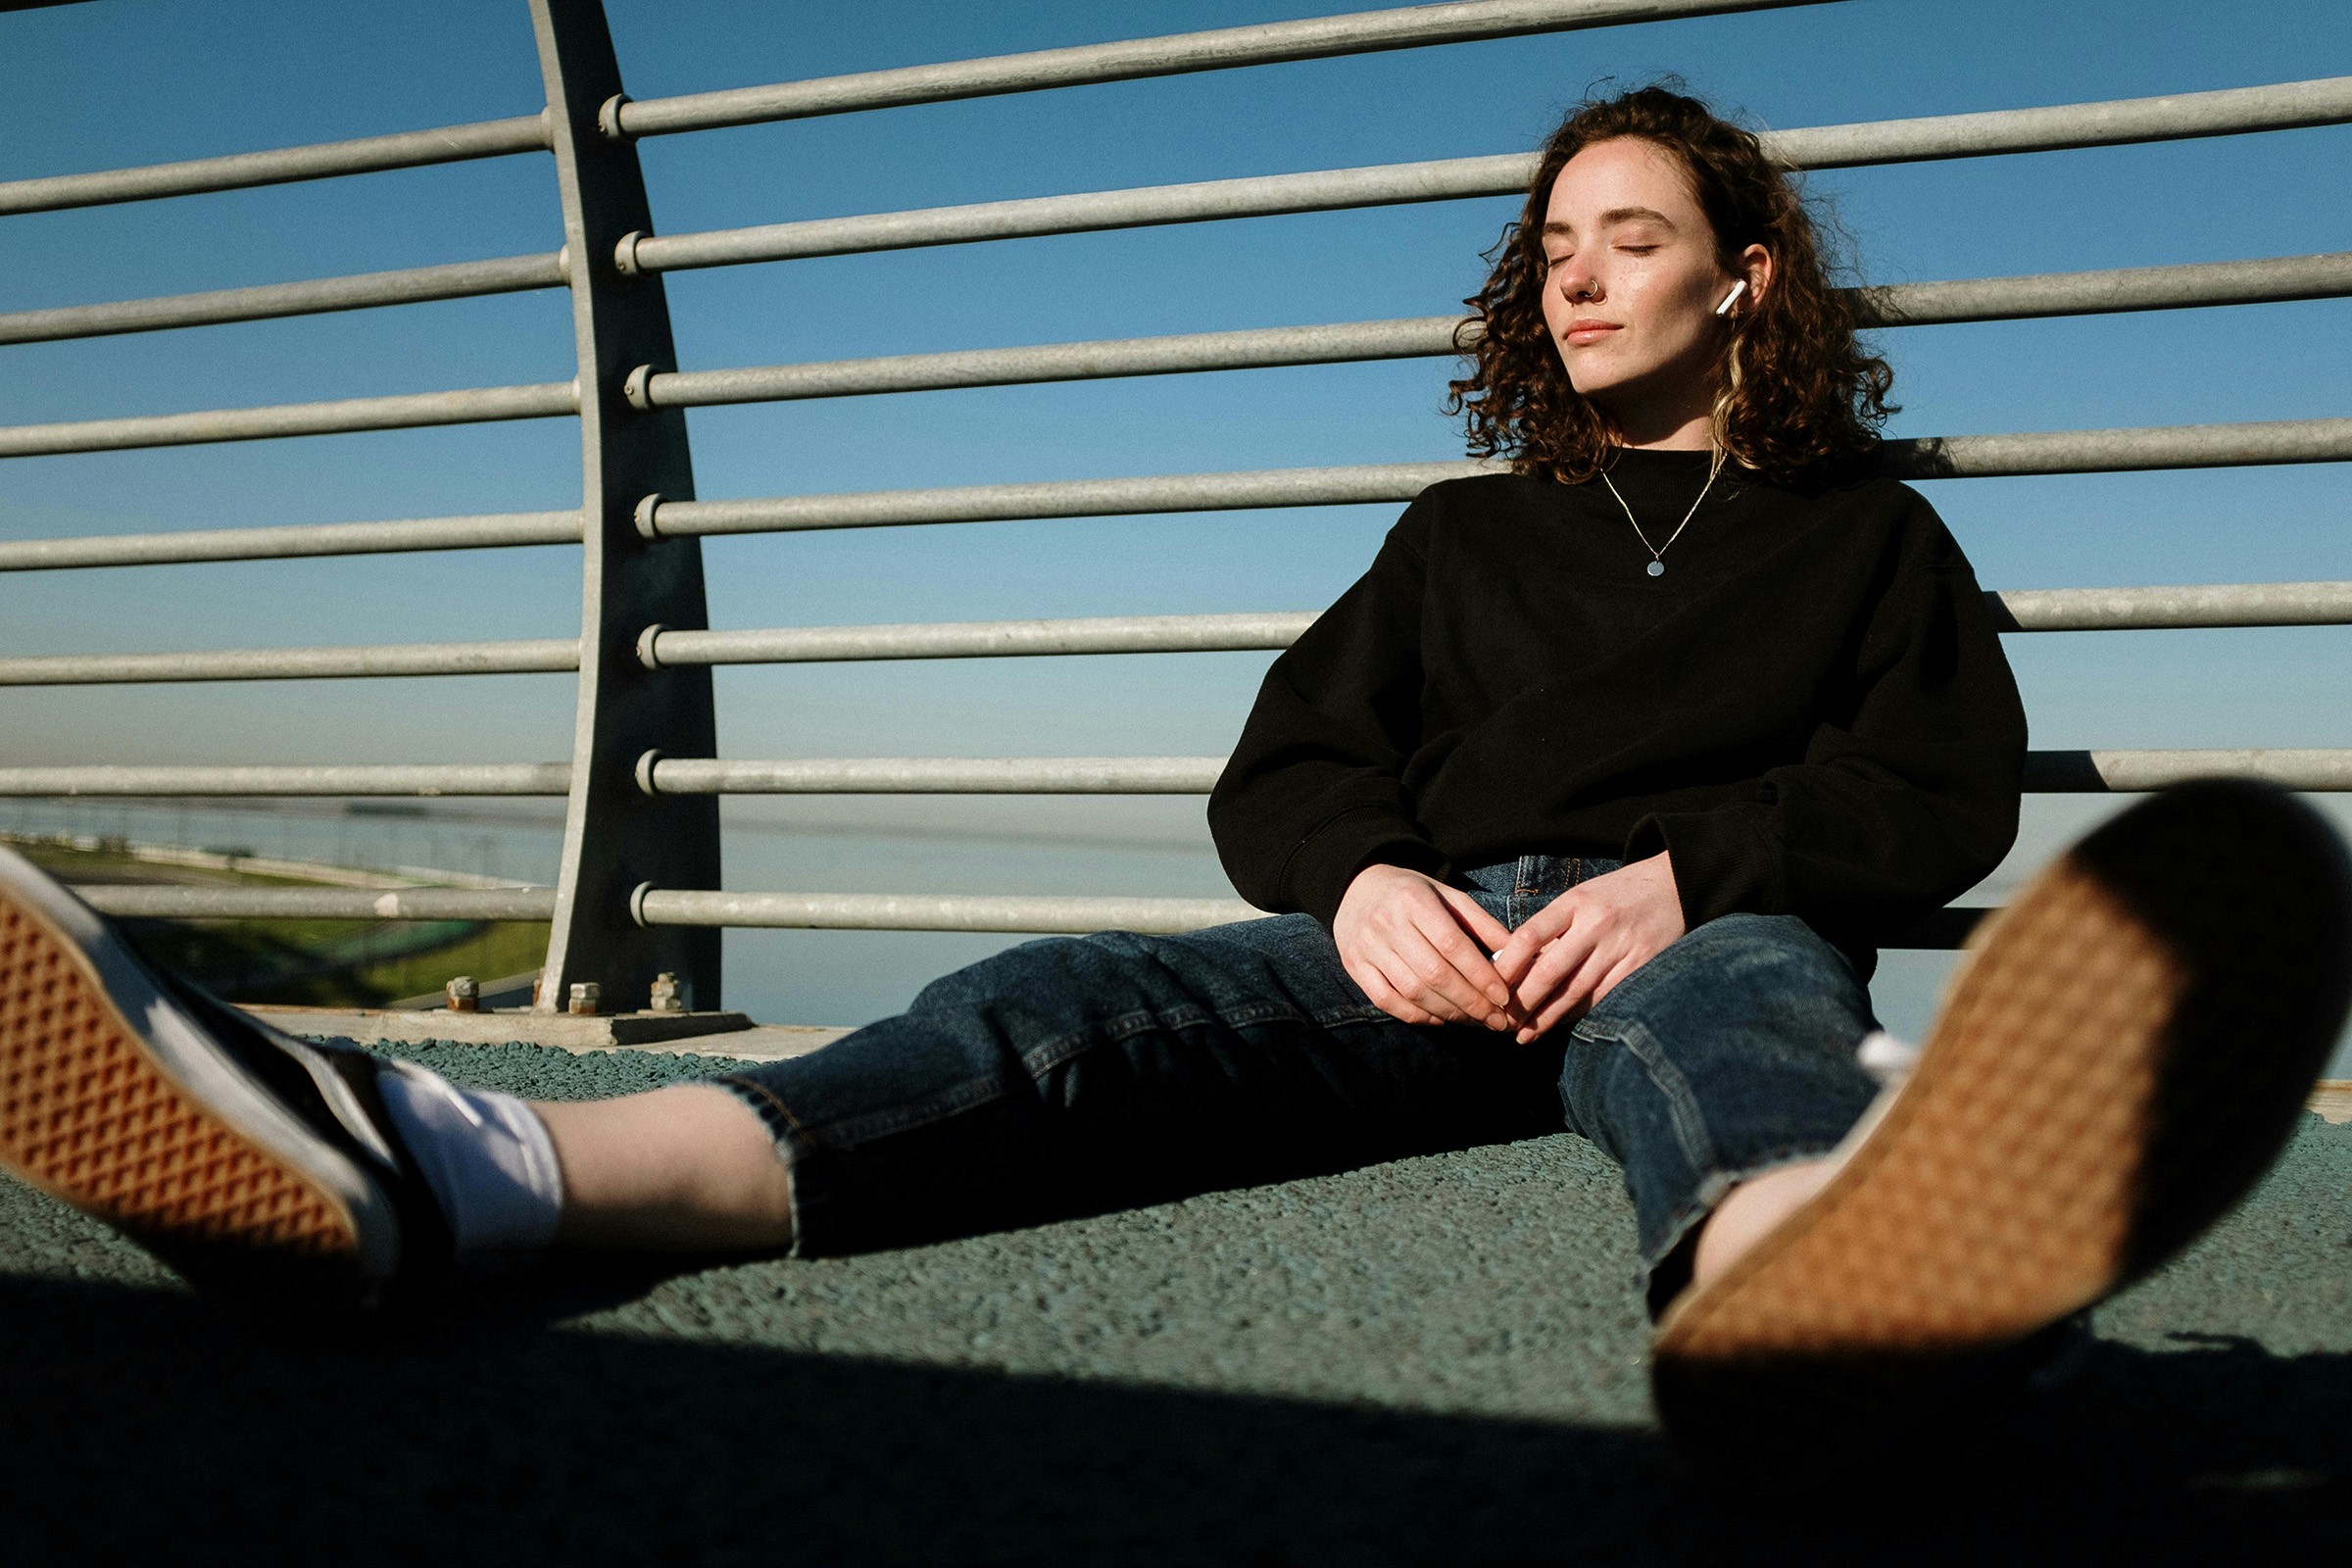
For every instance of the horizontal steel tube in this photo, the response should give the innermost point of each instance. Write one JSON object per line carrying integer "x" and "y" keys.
{"x": 2046, "y": 772}
{"x": 432, "y": 779}
{"x": 2172, "y": 116}
{"x": 935, "y": 775}
{"x": 2125, "y": 771}
{"x": 1198, "y": 201}
{"x": 293, "y": 540}
{"x": 1266, "y": 43}
{"x": 2231, "y": 110}
{"x": 2244, "y": 604}
{"x": 1054, "y": 498}
{"x": 536, "y": 656}
{"x": 1946, "y": 457}
{"x": 408, "y": 149}
{"x": 409, "y": 286}
{"x": 125, "y": 901}
{"x": 660, "y": 647}
{"x": 1252, "y": 349}
{"x": 887, "y": 911}
{"x": 2264, "y": 280}
{"x": 1985, "y": 299}
{"x": 2019, "y": 610}
{"x": 1076, "y": 917}
{"x": 406, "y": 412}
{"x": 2128, "y": 450}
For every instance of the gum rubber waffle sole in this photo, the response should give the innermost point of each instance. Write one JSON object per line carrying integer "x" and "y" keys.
{"x": 2121, "y": 1055}
{"x": 92, "y": 1113}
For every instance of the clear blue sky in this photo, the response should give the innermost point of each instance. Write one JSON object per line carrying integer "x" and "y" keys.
{"x": 124, "y": 81}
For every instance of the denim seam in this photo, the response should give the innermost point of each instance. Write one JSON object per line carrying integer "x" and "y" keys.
{"x": 1682, "y": 1105}
{"x": 1351, "y": 1012}
{"x": 1037, "y": 1060}
{"x": 749, "y": 1086}
{"x": 1051, "y": 1054}
{"x": 803, "y": 1204}
{"x": 1054, "y": 1052}
{"x": 854, "y": 1130}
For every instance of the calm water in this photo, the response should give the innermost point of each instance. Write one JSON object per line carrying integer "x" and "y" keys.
{"x": 937, "y": 846}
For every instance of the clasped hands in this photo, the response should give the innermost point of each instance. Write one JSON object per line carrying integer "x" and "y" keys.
{"x": 1428, "y": 953}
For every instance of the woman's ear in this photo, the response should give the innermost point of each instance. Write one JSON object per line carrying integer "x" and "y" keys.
{"x": 1756, "y": 266}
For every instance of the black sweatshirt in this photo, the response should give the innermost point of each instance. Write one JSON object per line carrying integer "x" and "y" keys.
{"x": 1810, "y": 709}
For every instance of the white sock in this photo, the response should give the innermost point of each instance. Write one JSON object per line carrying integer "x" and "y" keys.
{"x": 487, "y": 1156}
{"x": 1885, "y": 1057}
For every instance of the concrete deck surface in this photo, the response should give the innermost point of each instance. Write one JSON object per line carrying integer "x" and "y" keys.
{"x": 1435, "y": 1361}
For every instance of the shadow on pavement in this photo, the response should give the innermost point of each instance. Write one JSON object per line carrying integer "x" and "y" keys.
{"x": 136, "y": 1422}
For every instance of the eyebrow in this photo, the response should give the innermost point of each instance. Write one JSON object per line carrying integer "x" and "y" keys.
{"x": 1617, "y": 215}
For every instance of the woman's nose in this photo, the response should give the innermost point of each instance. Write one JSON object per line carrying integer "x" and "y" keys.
{"x": 1577, "y": 283}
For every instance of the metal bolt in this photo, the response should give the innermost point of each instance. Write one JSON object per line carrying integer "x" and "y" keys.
{"x": 583, "y": 998}
{"x": 465, "y": 995}
{"x": 669, "y": 995}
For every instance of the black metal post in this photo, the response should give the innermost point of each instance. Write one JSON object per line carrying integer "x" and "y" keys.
{"x": 615, "y": 836}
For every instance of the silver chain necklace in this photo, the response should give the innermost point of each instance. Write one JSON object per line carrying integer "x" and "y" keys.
{"x": 1657, "y": 552}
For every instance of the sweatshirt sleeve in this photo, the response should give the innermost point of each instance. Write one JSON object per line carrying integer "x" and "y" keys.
{"x": 1908, "y": 802}
{"x": 1315, "y": 790}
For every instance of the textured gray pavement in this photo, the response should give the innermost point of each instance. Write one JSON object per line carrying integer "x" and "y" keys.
{"x": 1434, "y": 1361}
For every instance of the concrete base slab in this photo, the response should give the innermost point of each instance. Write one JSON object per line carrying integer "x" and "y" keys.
{"x": 714, "y": 1034}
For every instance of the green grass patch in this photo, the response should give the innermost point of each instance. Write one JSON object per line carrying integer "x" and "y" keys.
{"x": 302, "y": 963}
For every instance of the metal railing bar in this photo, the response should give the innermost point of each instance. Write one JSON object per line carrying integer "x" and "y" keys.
{"x": 1244, "y": 489}
{"x": 2119, "y": 451}
{"x": 408, "y": 149}
{"x": 259, "y": 781}
{"x": 2182, "y": 608}
{"x": 2183, "y": 285}
{"x": 132, "y": 901}
{"x": 2026, "y": 610}
{"x": 2049, "y": 772}
{"x": 404, "y": 411}
{"x": 2101, "y": 772}
{"x": 1086, "y": 212}
{"x": 931, "y": 775}
{"x": 2226, "y": 112}
{"x": 2117, "y": 121}
{"x": 1254, "y": 348}
{"x": 887, "y": 912}
{"x": 454, "y": 280}
{"x": 660, "y": 648}
{"x": 1126, "y": 60}
{"x": 1075, "y": 916}
{"x": 536, "y": 656}
{"x": 1944, "y": 456}
{"x": 292, "y": 540}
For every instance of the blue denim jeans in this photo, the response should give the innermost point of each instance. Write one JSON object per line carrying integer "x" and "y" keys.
{"x": 1076, "y": 1075}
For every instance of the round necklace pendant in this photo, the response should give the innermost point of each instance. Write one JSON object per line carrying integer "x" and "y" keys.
{"x": 1656, "y": 568}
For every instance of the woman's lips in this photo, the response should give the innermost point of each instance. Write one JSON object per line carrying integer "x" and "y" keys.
{"x": 1581, "y": 334}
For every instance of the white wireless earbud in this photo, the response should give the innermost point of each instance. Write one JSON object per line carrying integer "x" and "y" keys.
{"x": 1737, "y": 289}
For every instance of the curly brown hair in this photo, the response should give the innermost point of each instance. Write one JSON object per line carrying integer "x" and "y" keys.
{"x": 1799, "y": 399}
